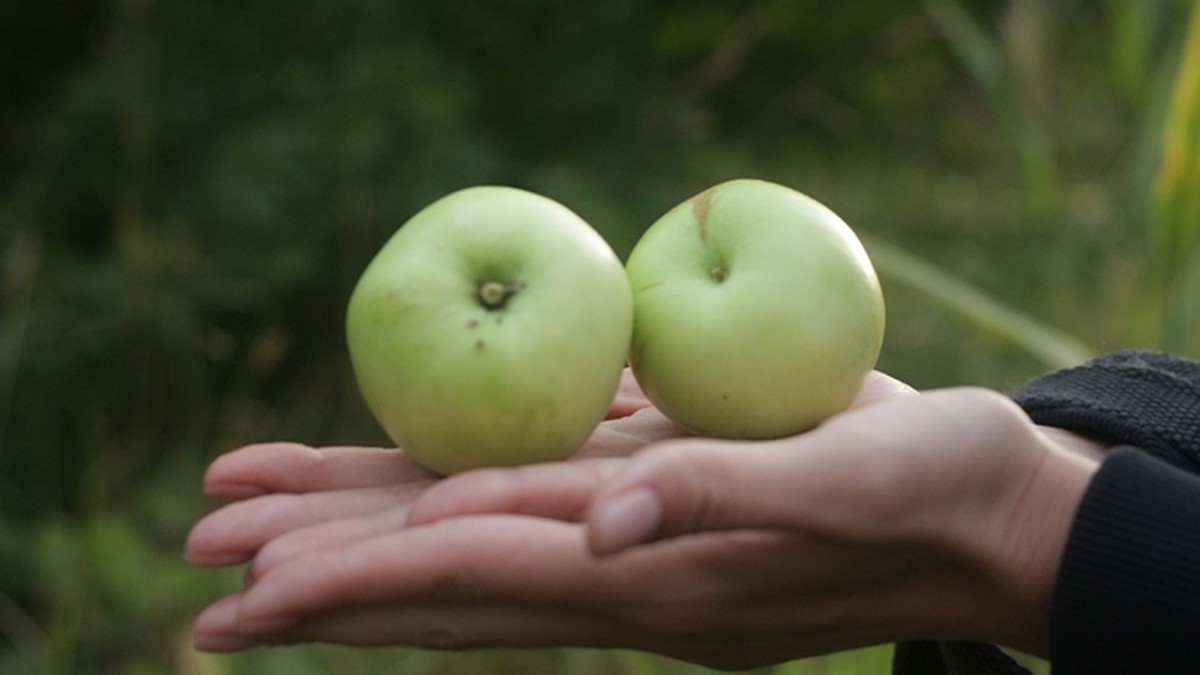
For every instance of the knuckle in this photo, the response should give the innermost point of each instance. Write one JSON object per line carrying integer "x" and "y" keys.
{"x": 699, "y": 480}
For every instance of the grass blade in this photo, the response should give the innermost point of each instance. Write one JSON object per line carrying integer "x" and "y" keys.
{"x": 1053, "y": 347}
{"x": 1177, "y": 185}
{"x": 1176, "y": 202}
{"x": 978, "y": 53}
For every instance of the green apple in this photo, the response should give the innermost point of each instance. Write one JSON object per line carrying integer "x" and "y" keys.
{"x": 490, "y": 330}
{"x": 757, "y": 313}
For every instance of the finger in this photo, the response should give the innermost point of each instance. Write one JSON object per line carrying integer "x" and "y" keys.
{"x": 488, "y": 558}
{"x": 694, "y": 611}
{"x": 492, "y": 561}
{"x": 629, "y": 397}
{"x": 431, "y": 626}
{"x": 495, "y": 625}
{"x": 684, "y": 486}
{"x": 623, "y": 436}
{"x": 233, "y": 534}
{"x": 880, "y": 387}
{"x": 559, "y": 490}
{"x": 498, "y": 558}
{"x": 291, "y": 467}
{"x": 325, "y": 536}
{"x": 553, "y": 490}
{"x": 216, "y": 628}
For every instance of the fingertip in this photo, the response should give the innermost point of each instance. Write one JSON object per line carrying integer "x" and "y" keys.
{"x": 461, "y": 494}
{"x": 237, "y": 474}
{"x": 216, "y": 628}
{"x": 204, "y": 547}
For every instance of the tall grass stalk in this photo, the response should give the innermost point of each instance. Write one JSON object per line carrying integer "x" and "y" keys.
{"x": 1009, "y": 68}
{"x": 1176, "y": 202}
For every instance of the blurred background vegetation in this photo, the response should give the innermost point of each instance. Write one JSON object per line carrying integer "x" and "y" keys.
{"x": 189, "y": 189}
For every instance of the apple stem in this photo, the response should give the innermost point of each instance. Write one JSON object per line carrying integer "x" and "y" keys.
{"x": 494, "y": 294}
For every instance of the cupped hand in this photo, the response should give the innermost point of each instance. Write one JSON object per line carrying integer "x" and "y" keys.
{"x": 935, "y": 515}
{"x": 330, "y": 495}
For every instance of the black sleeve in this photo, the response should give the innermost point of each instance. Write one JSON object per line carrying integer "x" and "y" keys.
{"x": 1128, "y": 593}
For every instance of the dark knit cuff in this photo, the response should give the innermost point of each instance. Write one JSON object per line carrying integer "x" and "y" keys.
{"x": 1124, "y": 602}
{"x": 1145, "y": 399}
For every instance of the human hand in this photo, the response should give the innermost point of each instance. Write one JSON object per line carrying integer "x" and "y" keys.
{"x": 891, "y": 521}
{"x": 958, "y": 483}
{"x": 284, "y": 492}
{"x": 290, "y": 499}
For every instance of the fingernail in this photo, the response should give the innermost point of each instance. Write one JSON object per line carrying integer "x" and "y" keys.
{"x": 625, "y": 520}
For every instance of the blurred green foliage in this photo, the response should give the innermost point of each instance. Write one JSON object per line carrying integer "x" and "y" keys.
{"x": 188, "y": 191}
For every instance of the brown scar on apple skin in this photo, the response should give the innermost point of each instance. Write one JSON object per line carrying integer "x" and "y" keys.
{"x": 479, "y": 345}
{"x": 473, "y": 323}
{"x": 701, "y": 204}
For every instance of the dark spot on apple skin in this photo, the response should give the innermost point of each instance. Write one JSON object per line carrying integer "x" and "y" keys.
{"x": 499, "y": 320}
{"x": 479, "y": 345}
{"x": 701, "y": 205}
{"x": 473, "y": 323}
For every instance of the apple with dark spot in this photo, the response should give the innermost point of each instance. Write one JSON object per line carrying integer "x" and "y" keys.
{"x": 490, "y": 330}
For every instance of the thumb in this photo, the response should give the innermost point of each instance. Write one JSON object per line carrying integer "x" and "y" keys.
{"x": 697, "y": 485}
{"x": 876, "y": 472}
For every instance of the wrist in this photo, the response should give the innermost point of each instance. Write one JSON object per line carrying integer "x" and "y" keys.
{"x": 1084, "y": 446}
{"x": 1031, "y": 543}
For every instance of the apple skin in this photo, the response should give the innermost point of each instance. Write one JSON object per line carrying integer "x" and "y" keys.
{"x": 757, "y": 313}
{"x": 459, "y": 384}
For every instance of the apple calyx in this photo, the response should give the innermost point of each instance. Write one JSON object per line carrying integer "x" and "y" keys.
{"x": 495, "y": 295}
{"x": 718, "y": 274}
